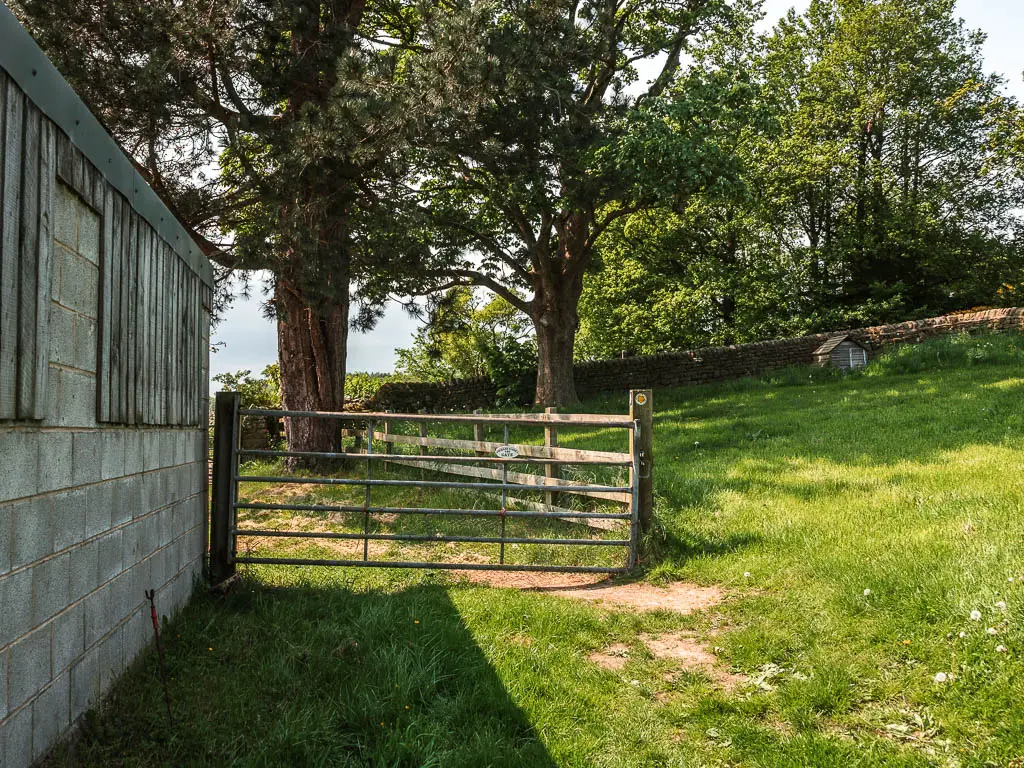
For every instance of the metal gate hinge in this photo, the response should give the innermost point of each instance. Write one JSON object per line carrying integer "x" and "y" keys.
{"x": 645, "y": 466}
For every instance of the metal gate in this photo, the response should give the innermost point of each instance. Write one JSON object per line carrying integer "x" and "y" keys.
{"x": 486, "y": 468}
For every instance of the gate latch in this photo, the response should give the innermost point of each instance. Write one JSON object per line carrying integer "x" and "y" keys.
{"x": 645, "y": 466}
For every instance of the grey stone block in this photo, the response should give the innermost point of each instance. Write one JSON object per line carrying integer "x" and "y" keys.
{"x": 86, "y": 457}
{"x": 111, "y": 660}
{"x": 152, "y": 441}
{"x": 142, "y": 578}
{"x": 113, "y": 454}
{"x": 5, "y": 538}
{"x": 85, "y": 683}
{"x": 97, "y": 615}
{"x": 85, "y": 344}
{"x": 124, "y": 499}
{"x": 168, "y": 448}
{"x": 181, "y": 451}
{"x": 3, "y": 688}
{"x": 78, "y": 281}
{"x": 84, "y": 577}
{"x": 29, "y": 666}
{"x": 165, "y": 526}
{"x": 31, "y": 531}
{"x": 51, "y": 715}
{"x": 19, "y": 460}
{"x": 68, "y": 637}
{"x": 123, "y": 597}
{"x": 89, "y": 235}
{"x": 77, "y": 403}
{"x": 130, "y": 542}
{"x": 16, "y": 739}
{"x": 133, "y": 452}
{"x": 68, "y": 519}
{"x": 16, "y": 599}
{"x": 50, "y": 584}
{"x": 54, "y": 460}
{"x": 62, "y": 335}
{"x": 99, "y": 503}
{"x": 111, "y": 556}
{"x": 138, "y": 631}
{"x": 65, "y": 217}
{"x": 52, "y": 393}
{"x": 57, "y": 257}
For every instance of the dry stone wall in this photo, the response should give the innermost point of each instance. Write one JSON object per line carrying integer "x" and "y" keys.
{"x": 698, "y": 366}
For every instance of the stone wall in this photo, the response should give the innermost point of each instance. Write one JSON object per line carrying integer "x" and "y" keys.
{"x": 698, "y": 366}
{"x": 91, "y": 516}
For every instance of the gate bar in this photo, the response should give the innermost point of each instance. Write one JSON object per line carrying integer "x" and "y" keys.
{"x": 419, "y": 457}
{"x": 425, "y": 537}
{"x": 423, "y": 484}
{"x": 563, "y": 419}
{"x": 434, "y": 511}
{"x": 432, "y": 566}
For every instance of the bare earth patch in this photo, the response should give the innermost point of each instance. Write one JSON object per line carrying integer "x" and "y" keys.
{"x": 614, "y": 657}
{"x": 692, "y": 656}
{"x": 679, "y": 597}
{"x": 681, "y": 648}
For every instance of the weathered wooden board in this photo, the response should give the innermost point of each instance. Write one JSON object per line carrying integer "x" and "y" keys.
{"x": 11, "y": 138}
{"x": 534, "y": 451}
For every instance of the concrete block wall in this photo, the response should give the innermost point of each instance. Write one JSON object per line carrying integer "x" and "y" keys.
{"x": 91, "y": 516}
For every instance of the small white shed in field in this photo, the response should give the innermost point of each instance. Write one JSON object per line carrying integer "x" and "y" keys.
{"x": 842, "y": 352}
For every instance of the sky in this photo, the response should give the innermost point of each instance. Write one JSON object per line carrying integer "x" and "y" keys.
{"x": 245, "y": 339}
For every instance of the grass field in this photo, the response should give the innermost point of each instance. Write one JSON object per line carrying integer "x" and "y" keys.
{"x": 854, "y": 524}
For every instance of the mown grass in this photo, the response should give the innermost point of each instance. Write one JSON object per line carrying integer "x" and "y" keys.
{"x": 855, "y": 522}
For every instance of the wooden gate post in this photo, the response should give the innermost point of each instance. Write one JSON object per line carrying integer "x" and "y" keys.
{"x": 641, "y": 410}
{"x": 551, "y": 470}
{"x": 225, "y": 441}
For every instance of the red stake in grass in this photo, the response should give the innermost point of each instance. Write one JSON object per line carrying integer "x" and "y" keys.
{"x": 150, "y": 594}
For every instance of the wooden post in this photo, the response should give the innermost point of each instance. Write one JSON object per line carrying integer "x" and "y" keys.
{"x": 478, "y": 432}
{"x": 551, "y": 471}
{"x": 424, "y": 450}
{"x": 225, "y": 441}
{"x": 641, "y": 410}
{"x": 386, "y": 442}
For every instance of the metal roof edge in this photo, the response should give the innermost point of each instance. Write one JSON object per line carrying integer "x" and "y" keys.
{"x": 24, "y": 61}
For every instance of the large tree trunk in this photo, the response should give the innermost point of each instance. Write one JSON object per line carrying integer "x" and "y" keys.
{"x": 312, "y": 340}
{"x": 556, "y": 322}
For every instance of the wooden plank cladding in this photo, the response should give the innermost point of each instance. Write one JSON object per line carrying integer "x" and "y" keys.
{"x": 151, "y": 325}
{"x": 27, "y": 160}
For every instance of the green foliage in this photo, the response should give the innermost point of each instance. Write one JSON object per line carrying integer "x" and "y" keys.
{"x": 263, "y": 391}
{"x": 868, "y": 188}
{"x": 363, "y": 386}
{"x": 466, "y": 337}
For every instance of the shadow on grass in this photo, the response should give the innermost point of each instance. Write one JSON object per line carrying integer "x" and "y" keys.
{"x": 315, "y": 675}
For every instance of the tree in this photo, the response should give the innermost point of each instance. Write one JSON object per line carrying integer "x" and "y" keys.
{"x": 463, "y": 335}
{"x": 539, "y": 149}
{"x": 878, "y": 185}
{"x": 265, "y": 125}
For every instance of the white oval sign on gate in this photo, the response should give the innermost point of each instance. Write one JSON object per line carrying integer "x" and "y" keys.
{"x": 506, "y": 451}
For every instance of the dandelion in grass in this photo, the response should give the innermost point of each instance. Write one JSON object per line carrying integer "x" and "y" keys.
{"x": 1001, "y": 605}
{"x": 963, "y": 635}
{"x": 975, "y": 615}
{"x": 992, "y": 631}
{"x": 1001, "y": 649}
{"x": 746, "y": 574}
{"x": 941, "y": 677}
{"x": 867, "y": 593}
